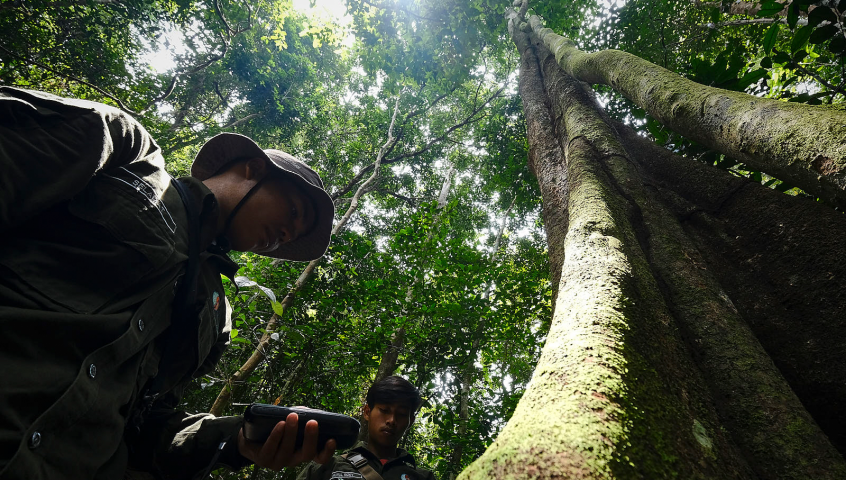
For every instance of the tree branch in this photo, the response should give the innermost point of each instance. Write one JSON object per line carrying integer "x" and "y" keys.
{"x": 816, "y": 77}
{"x": 260, "y": 353}
{"x": 753, "y": 21}
{"x": 106, "y": 94}
{"x": 241, "y": 120}
{"x": 212, "y": 59}
{"x": 411, "y": 201}
{"x": 469, "y": 119}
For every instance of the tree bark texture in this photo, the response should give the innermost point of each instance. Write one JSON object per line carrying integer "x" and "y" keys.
{"x": 676, "y": 340}
{"x": 803, "y": 143}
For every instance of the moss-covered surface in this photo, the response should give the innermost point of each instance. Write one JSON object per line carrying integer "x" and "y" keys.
{"x": 649, "y": 370}
{"x": 546, "y": 159}
{"x": 755, "y": 402}
{"x": 612, "y": 396}
{"x": 803, "y": 144}
{"x": 781, "y": 260}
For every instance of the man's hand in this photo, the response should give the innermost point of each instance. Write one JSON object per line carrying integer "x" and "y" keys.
{"x": 278, "y": 450}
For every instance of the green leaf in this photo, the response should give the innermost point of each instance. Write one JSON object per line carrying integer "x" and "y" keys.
{"x": 800, "y": 38}
{"x": 715, "y": 15}
{"x": 277, "y": 308}
{"x": 781, "y": 57}
{"x": 838, "y": 44}
{"x": 793, "y": 15}
{"x": 770, "y": 38}
{"x": 782, "y": 187}
{"x": 233, "y": 333}
{"x": 822, "y": 34}
{"x": 767, "y": 62}
{"x": 752, "y": 77}
{"x": 821, "y": 14}
{"x": 769, "y": 9}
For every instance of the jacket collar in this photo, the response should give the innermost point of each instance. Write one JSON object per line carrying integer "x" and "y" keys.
{"x": 209, "y": 213}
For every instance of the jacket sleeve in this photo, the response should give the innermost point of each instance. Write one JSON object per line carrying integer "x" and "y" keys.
{"x": 179, "y": 445}
{"x": 316, "y": 471}
{"x": 50, "y": 147}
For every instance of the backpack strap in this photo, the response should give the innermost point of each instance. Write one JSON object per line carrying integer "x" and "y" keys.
{"x": 358, "y": 461}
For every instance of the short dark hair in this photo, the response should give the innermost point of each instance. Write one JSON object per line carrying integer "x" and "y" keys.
{"x": 394, "y": 389}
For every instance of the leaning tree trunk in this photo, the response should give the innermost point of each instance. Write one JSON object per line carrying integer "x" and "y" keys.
{"x": 806, "y": 144}
{"x": 661, "y": 361}
{"x": 390, "y": 357}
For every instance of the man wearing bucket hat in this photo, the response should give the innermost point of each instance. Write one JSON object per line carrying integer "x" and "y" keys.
{"x": 111, "y": 299}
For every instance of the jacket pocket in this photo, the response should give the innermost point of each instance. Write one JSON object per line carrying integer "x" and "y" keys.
{"x": 92, "y": 250}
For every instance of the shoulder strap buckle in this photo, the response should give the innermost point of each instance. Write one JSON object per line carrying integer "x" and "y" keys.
{"x": 358, "y": 461}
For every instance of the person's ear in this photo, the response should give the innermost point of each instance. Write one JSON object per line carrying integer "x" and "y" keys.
{"x": 365, "y": 412}
{"x": 256, "y": 169}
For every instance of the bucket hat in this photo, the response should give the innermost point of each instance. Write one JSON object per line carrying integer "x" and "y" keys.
{"x": 225, "y": 148}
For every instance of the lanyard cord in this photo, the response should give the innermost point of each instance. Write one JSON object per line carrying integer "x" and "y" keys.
{"x": 222, "y": 241}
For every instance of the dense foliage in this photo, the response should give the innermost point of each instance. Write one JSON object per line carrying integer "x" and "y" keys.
{"x": 404, "y": 261}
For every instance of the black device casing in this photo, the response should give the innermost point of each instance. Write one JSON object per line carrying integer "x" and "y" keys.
{"x": 260, "y": 418}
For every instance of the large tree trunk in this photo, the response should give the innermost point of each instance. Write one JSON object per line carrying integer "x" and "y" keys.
{"x": 806, "y": 144}
{"x": 673, "y": 345}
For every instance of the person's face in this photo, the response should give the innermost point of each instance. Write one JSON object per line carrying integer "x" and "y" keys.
{"x": 277, "y": 213}
{"x": 387, "y": 422}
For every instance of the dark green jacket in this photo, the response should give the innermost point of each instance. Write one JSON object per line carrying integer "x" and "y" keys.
{"x": 93, "y": 238}
{"x": 402, "y": 467}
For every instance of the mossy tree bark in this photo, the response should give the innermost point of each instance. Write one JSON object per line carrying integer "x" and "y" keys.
{"x": 678, "y": 337}
{"x": 806, "y": 144}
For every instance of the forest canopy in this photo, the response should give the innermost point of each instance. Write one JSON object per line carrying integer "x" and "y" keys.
{"x": 440, "y": 269}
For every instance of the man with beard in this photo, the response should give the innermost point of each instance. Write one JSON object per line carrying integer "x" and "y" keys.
{"x": 390, "y": 409}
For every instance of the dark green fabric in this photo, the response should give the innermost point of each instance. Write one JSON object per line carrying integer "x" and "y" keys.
{"x": 338, "y": 468}
{"x": 93, "y": 239}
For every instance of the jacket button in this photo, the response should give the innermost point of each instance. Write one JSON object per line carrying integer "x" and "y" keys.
{"x": 92, "y": 370}
{"x": 141, "y": 324}
{"x": 35, "y": 440}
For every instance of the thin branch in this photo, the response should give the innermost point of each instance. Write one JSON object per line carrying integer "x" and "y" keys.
{"x": 753, "y": 21}
{"x": 434, "y": 102}
{"x": 260, "y": 353}
{"x": 121, "y": 105}
{"x": 190, "y": 71}
{"x": 411, "y": 202}
{"x": 501, "y": 232}
{"x": 223, "y": 100}
{"x": 219, "y": 13}
{"x": 242, "y": 120}
{"x": 212, "y": 59}
{"x": 816, "y": 77}
{"x": 469, "y": 119}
